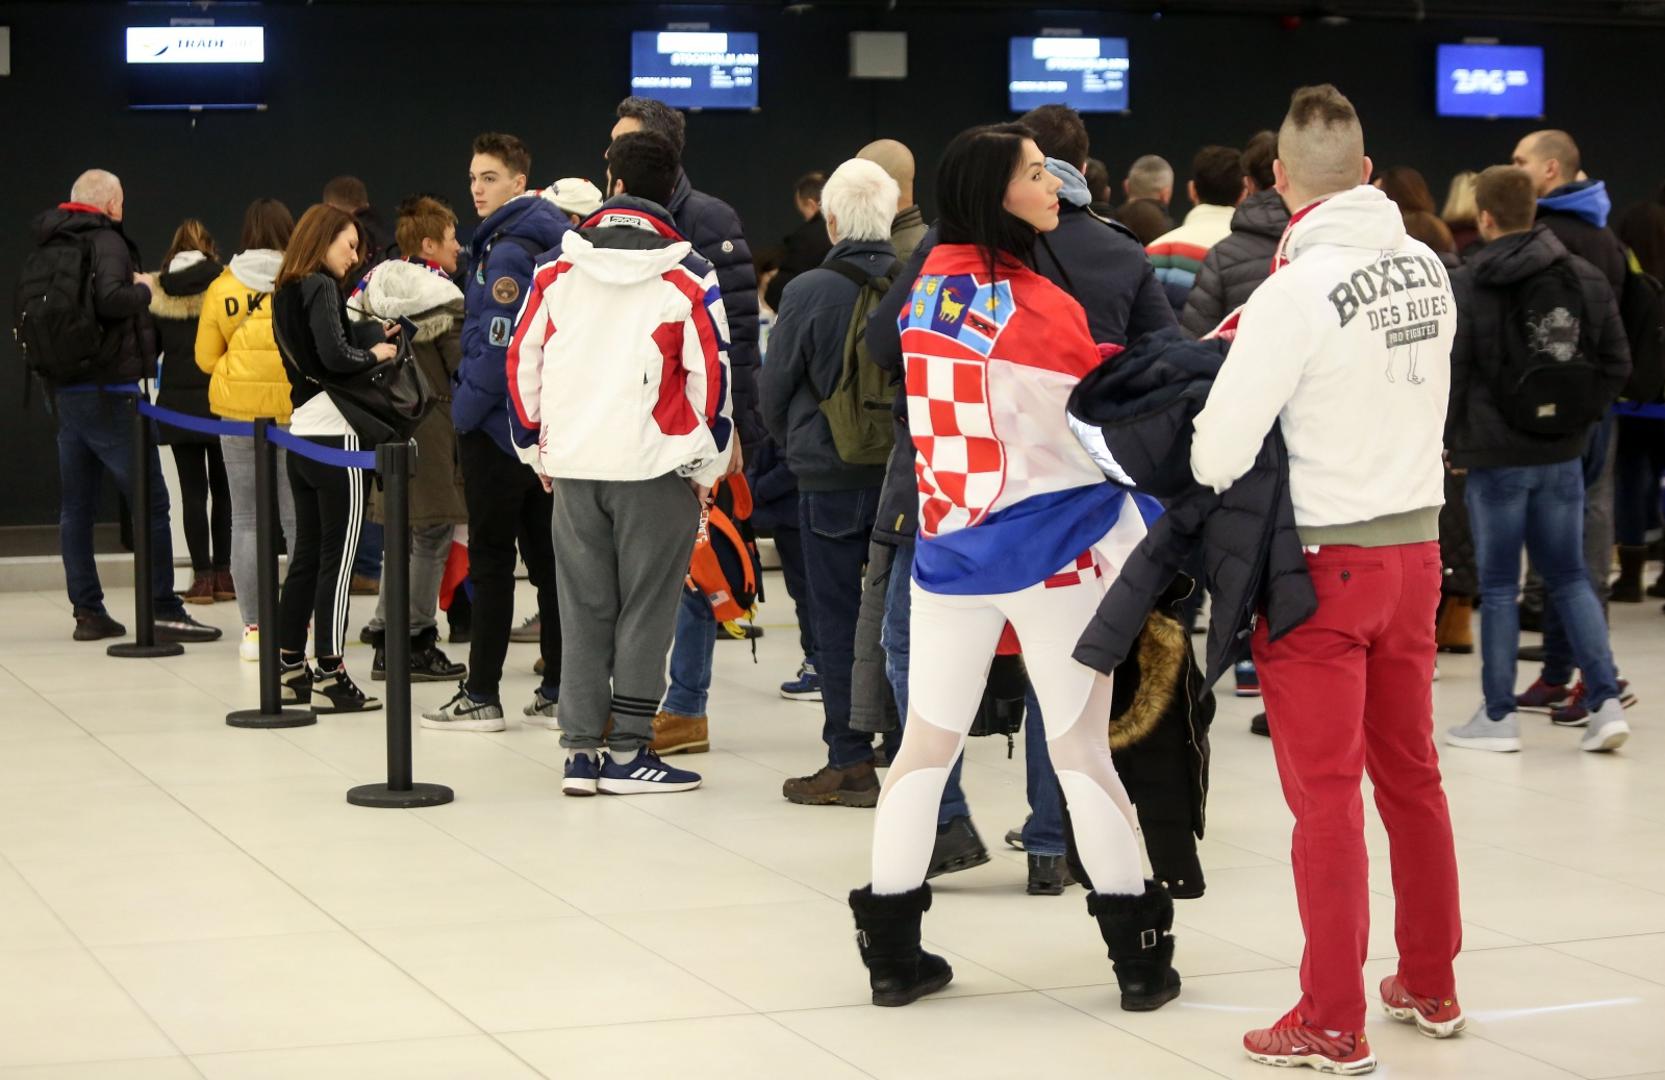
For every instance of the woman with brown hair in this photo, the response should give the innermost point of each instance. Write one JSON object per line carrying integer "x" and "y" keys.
{"x": 321, "y": 348}
{"x": 235, "y": 349}
{"x": 188, "y": 269}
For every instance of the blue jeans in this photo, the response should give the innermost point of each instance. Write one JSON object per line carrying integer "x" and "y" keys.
{"x": 367, "y": 558}
{"x": 696, "y": 639}
{"x": 1043, "y": 833}
{"x": 1598, "y": 553}
{"x": 95, "y": 435}
{"x": 1542, "y": 505}
{"x": 835, "y": 527}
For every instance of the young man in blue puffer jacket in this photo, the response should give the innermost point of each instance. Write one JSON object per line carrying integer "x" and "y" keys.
{"x": 505, "y": 499}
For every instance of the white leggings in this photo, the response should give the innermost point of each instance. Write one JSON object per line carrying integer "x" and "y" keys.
{"x": 954, "y": 642}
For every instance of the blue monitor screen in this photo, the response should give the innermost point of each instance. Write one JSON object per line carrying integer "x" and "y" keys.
{"x": 1089, "y": 74}
{"x": 695, "y": 70}
{"x": 1491, "y": 80}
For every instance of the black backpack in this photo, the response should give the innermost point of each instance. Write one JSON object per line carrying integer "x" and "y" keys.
{"x": 1547, "y": 383}
{"x": 1642, "y": 306}
{"x": 53, "y": 319}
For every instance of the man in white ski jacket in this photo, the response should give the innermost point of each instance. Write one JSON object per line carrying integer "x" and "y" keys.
{"x": 618, "y": 376}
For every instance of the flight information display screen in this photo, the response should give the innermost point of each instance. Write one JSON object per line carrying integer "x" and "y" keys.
{"x": 1089, "y": 74}
{"x": 695, "y": 70}
{"x": 1491, "y": 80}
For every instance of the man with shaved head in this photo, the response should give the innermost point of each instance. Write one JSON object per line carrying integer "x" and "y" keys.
{"x": 1345, "y": 352}
{"x": 93, "y": 387}
{"x": 1576, "y": 211}
{"x": 897, "y": 160}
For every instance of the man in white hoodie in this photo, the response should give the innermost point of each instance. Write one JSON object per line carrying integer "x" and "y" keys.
{"x": 1347, "y": 347}
{"x": 619, "y": 384}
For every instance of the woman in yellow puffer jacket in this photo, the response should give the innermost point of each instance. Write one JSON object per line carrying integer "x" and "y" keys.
{"x": 238, "y": 350}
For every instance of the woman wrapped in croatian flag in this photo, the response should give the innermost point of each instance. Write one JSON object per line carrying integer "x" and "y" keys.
{"x": 1018, "y": 526}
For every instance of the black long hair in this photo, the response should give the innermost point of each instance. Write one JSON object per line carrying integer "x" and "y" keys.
{"x": 971, "y": 188}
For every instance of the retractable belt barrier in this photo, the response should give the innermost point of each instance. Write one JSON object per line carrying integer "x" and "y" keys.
{"x": 394, "y": 463}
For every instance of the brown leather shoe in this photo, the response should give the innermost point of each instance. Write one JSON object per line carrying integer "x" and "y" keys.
{"x": 676, "y": 734}
{"x": 201, "y": 590}
{"x": 224, "y": 587}
{"x": 857, "y": 785}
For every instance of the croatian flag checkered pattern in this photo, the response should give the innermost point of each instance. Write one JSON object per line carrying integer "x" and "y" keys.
{"x": 959, "y": 462}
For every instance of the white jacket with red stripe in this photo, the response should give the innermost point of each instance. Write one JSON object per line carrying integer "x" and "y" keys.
{"x": 618, "y": 368}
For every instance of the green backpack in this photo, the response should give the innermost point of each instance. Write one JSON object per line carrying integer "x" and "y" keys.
{"x": 858, "y": 409}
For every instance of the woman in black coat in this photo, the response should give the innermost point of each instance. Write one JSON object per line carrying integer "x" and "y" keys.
{"x": 320, "y": 350}
{"x": 189, "y": 267}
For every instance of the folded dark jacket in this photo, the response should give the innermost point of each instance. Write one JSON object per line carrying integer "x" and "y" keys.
{"x": 1145, "y": 402}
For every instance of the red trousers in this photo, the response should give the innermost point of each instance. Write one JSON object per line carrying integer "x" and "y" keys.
{"x": 1351, "y": 689}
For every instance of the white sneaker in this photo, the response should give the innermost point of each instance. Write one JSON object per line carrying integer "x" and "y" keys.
{"x": 1482, "y": 733}
{"x": 541, "y": 712}
{"x": 250, "y": 648}
{"x": 1607, "y": 730}
{"x": 463, "y": 713}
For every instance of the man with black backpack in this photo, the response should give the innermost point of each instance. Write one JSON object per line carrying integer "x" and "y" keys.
{"x": 1540, "y": 355}
{"x": 828, "y": 407}
{"x": 84, "y": 329}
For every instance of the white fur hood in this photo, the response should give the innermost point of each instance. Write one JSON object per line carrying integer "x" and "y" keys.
{"x": 412, "y": 291}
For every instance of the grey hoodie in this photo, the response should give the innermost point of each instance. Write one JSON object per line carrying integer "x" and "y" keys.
{"x": 257, "y": 268}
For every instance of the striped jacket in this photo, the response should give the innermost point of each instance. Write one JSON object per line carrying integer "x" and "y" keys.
{"x": 1178, "y": 255}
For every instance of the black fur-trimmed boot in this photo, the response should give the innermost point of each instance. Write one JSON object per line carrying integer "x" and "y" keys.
{"x": 887, "y": 932}
{"x": 1136, "y": 931}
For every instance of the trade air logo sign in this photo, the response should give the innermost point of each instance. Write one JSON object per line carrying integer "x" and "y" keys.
{"x": 196, "y": 44}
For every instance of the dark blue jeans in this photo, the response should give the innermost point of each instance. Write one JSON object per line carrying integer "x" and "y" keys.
{"x": 789, "y": 545}
{"x": 1558, "y": 653}
{"x": 367, "y": 557}
{"x": 1542, "y": 506}
{"x": 835, "y": 527}
{"x": 95, "y": 435}
{"x": 696, "y": 638}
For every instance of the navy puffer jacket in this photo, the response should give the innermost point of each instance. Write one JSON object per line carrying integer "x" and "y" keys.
{"x": 712, "y": 226}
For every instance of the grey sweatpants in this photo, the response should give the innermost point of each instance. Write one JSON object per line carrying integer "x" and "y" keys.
{"x": 430, "y": 549}
{"x": 621, "y": 555}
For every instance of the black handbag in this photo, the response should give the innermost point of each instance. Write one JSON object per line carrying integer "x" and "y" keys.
{"x": 387, "y": 402}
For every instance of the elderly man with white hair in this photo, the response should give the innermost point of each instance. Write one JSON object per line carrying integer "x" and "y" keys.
{"x": 838, "y": 488}
{"x": 92, "y": 375}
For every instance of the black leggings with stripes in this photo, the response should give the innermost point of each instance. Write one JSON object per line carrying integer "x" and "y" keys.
{"x": 329, "y": 514}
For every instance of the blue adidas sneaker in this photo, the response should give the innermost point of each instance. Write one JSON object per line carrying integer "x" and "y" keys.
{"x": 806, "y": 687}
{"x": 644, "y": 774}
{"x": 581, "y": 775}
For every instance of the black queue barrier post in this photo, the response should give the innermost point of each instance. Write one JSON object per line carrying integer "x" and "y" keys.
{"x": 271, "y": 713}
{"x": 144, "y": 644}
{"x": 395, "y": 463}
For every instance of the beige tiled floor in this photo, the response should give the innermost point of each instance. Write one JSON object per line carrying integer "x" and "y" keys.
{"x": 182, "y": 899}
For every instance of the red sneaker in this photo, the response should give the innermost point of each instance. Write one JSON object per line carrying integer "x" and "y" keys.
{"x": 1576, "y": 713}
{"x": 1542, "y": 695}
{"x": 1437, "y": 1018}
{"x": 1290, "y": 1043}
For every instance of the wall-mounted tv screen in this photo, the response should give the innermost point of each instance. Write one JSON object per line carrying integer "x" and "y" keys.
{"x": 695, "y": 69}
{"x": 1491, "y": 80}
{"x": 196, "y": 67}
{"x": 1089, "y": 74}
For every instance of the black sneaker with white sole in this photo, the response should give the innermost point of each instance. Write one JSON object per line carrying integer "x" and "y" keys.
{"x": 295, "y": 685}
{"x": 335, "y": 692}
{"x": 464, "y": 713}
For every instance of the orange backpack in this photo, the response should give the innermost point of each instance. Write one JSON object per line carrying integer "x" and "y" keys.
{"x": 725, "y": 565}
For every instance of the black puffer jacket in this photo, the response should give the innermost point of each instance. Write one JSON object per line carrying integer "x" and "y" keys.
{"x": 1476, "y": 433}
{"x": 1237, "y": 265}
{"x": 127, "y": 351}
{"x": 712, "y": 226}
{"x": 176, "y": 309}
{"x": 1144, "y": 402}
